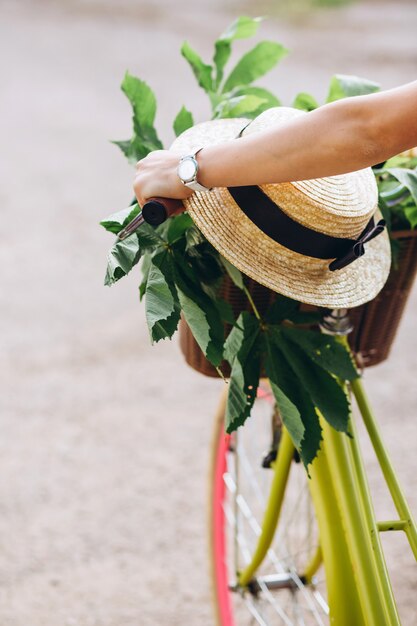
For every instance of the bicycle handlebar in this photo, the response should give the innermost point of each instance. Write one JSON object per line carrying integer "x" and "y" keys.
{"x": 157, "y": 210}
{"x": 154, "y": 212}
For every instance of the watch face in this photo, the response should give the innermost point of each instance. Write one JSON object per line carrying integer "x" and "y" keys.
{"x": 187, "y": 169}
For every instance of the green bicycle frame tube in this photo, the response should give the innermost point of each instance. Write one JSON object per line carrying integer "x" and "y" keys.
{"x": 368, "y": 565}
{"x": 359, "y": 591}
{"x": 406, "y": 521}
{"x": 342, "y": 591}
{"x": 281, "y": 470}
{"x": 343, "y": 600}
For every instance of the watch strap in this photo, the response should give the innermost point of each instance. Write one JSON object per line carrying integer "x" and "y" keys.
{"x": 194, "y": 184}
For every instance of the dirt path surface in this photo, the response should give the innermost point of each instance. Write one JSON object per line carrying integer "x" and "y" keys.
{"x": 104, "y": 439}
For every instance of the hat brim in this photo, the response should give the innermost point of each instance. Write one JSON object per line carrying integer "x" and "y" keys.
{"x": 294, "y": 275}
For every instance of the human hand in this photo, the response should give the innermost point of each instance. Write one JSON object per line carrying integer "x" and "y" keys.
{"x": 156, "y": 176}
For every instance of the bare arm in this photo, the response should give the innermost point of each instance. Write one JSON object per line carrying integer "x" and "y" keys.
{"x": 340, "y": 137}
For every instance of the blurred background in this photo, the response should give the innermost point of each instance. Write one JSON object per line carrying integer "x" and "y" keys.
{"x": 104, "y": 440}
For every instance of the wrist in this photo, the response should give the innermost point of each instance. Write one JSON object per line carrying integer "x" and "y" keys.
{"x": 222, "y": 165}
{"x": 203, "y": 160}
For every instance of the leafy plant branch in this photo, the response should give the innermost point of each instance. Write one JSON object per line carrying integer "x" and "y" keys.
{"x": 182, "y": 274}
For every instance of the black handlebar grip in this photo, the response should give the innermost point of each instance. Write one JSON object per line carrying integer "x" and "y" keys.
{"x": 154, "y": 212}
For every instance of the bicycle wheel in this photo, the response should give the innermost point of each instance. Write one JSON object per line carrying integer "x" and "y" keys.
{"x": 240, "y": 480}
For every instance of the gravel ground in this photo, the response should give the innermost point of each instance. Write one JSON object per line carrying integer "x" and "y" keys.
{"x": 104, "y": 445}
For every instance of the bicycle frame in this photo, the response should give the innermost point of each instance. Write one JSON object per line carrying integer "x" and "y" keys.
{"x": 346, "y": 519}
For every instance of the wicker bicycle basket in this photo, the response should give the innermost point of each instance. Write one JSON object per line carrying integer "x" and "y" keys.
{"x": 375, "y": 323}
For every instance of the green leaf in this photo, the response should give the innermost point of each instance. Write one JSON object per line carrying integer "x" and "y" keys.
{"x": 255, "y": 63}
{"x": 178, "y": 225}
{"x": 233, "y": 273}
{"x": 183, "y": 121}
{"x": 325, "y": 392}
{"x": 305, "y": 102}
{"x": 200, "y": 313}
{"x": 268, "y": 99}
{"x": 145, "y": 141}
{"x": 406, "y": 177}
{"x": 289, "y": 414}
{"x": 142, "y": 99}
{"x": 196, "y": 318}
{"x": 212, "y": 291}
{"x": 239, "y": 106}
{"x": 162, "y": 309}
{"x": 134, "y": 149}
{"x": 159, "y": 299}
{"x": 225, "y": 310}
{"x": 201, "y": 70}
{"x": 193, "y": 238}
{"x": 324, "y": 350}
{"x": 343, "y": 86}
{"x": 385, "y": 210}
{"x": 146, "y": 234}
{"x": 122, "y": 256}
{"x": 305, "y": 317}
{"x": 204, "y": 265}
{"x": 241, "y": 353}
{"x": 283, "y": 377}
{"x": 118, "y": 220}
{"x": 411, "y": 214}
{"x": 310, "y": 443}
{"x": 398, "y": 202}
{"x": 164, "y": 329}
{"x": 143, "y": 102}
{"x": 278, "y": 377}
{"x": 149, "y": 238}
{"x": 145, "y": 267}
{"x": 126, "y": 148}
{"x": 242, "y": 28}
{"x": 240, "y": 339}
{"x": 222, "y": 53}
{"x": 282, "y": 308}
{"x": 241, "y": 393}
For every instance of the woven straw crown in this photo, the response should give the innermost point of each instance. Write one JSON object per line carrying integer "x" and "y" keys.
{"x": 337, "y": 206}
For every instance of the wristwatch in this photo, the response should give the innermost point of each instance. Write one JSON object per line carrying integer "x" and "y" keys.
{"x": 187, "y": 171}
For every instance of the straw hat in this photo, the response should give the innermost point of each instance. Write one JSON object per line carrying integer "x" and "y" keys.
{"x": 304, "y": 239}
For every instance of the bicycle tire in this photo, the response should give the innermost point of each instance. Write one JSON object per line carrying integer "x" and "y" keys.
{"x": 242, "y": 498}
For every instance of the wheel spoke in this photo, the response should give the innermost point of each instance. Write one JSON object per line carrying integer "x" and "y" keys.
{"x": 246, "y": 491}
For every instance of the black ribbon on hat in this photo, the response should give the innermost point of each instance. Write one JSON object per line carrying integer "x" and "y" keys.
{"x": 358, "y": 249}
{"x": 274, "y": 222}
